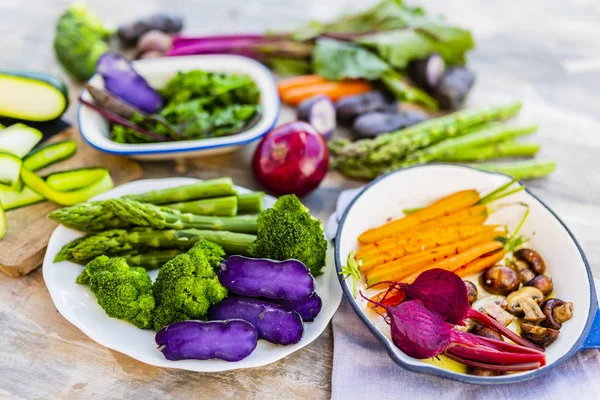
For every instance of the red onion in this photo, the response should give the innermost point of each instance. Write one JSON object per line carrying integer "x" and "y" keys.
{"x": 292, "y": 158}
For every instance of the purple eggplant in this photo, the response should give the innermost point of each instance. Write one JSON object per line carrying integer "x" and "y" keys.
{"x": 319, "y": 111}
{"x": 427, "y": 73}
{"x": 274, "y": 323}
{"x": 231, "y": 340}
{"x": 308, "y": 308}
{"x": 350, "y": 107}
{"x": 122, "y": 80}
{"x": 372, "y": 124}
{"x": 454, "y": 87}
{"x": 260, "y": 277}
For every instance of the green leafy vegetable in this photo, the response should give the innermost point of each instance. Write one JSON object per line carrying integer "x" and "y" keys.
{"x": 351, "y": 269}
{"x": 336, "y": 60}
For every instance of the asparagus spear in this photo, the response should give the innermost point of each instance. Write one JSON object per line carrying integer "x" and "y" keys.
{"x": 251, "y": 203}
{"x": 117, "y": 242}
{"x": 93, "y": 218}
{"x": 510, "y": 148}
{"x": 152, "y": 259}
{"x": 219, "y": 206}
{"x": 206, "y": 189}
{"x": 520, "y": 169}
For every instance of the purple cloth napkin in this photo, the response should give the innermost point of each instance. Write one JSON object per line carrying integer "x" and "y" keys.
{"x": 363, "y": 370}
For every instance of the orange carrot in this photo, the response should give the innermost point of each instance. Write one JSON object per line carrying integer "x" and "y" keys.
{"x": 406, "y": 266}
{"x": 409, "y": 243}
{"x": 333, "y": 90}
{"x": 443, "y": 207}
{"x": 387, "y": 297}
{"x": 298, "y": 81}
{"x": 481, "y": 263}
{"x": 459, "y": 260}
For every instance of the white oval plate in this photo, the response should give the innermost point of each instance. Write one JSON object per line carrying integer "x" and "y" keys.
{"x": 78, "y": 304}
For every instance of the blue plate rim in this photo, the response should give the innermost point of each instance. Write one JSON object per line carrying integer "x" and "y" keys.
{"x": 436, "y": 371}
{"x": 200, "y": 147}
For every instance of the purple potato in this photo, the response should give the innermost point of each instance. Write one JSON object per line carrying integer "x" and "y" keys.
{"x": 274, "y": 323}
{"x": 350, "y": 107}
{"x": 319, "y": 111}
{"x": 132, "y": 32}
{"x": 372, "y": 124}
{"x": 231, "y": 340}
{"x": 122, "y": 80}
{"x": 308, "y": 308}
{"x": 288, "y": 280}
{"x": 427, "y": 72}
{"x": 454, "y": 87}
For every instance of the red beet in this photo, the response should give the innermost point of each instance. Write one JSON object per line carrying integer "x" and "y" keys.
{"x": 291, "y": 159}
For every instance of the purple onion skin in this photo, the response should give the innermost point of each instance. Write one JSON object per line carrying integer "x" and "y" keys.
{"x": 121, "y": 79}
{"x": 231, "y": 340}
{"x": 308, "y": 308}
{"x": 260, "y": 277}
{"x": 274, "y": 323}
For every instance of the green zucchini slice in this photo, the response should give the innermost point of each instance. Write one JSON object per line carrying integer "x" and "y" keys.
{"x": 14, "y": 199}
{"x": 65, "y": 181}
{"x": 49, "y": 154}
{"x": 19, "y": 139}
{"x": 2, "y": 222}
{"x": 10, "y": 168}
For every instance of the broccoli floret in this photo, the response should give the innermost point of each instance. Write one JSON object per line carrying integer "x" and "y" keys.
{"x": 288, "y": 231}
{"x": 187, "y": 285}
{"x": 124, "y": 292}
{"x": 79, "y": 40}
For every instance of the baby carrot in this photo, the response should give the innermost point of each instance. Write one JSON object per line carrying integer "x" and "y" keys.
{"x": 481, "y": 263}
{"x": 333, "y": 90}
{"x": 443, "y": 207}
{"x": 459, "y": 260}
{"x": 406, "y": 266}
{"x": 298, "y": 81}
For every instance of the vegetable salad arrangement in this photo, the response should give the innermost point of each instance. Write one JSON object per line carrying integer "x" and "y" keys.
{"x": 414, "y": 265}
{"x": 231, "y": 272}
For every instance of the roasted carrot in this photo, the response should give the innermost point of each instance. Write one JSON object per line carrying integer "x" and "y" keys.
{"x": 298, "y": 81}
{"x": 481, "y": 263}
{"x": 443, "y": 207}
{"x": 411, "y": 243}
{"x": 333, "y": 90}
{"x": 459, "y": 260}
{"x": 387, "y": 297}
{"x": 406, "y": 266}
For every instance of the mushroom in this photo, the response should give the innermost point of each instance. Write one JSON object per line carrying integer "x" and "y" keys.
{"x": 526, "y": 301}
{"x": 525, "y": 274}
{"x": 494, "y": 306}
{"x": 531, "y": 257}
{"x": 500, "y": 279}
{"x": 556, "y": 312}
{"x": 542, "y": 282}
{"x": 487, "y": 332}
{"x": 481, "y": 371}
{"x": 471, "y": 291}
{"x": 538, "y": 334}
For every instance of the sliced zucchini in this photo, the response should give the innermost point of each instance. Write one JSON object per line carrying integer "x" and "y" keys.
{"x": 2, "y": 126}
{"x": 10, "y": 168}
{"x": 19, "y": 139}
{"x": 2, "y": 222}
{"x": 65, "y": 181}
{"x": 32, "y": 96}
{"x": 66, "y": 198}
{"x": 49, "y": 154}
{"x": 14, "y": 199}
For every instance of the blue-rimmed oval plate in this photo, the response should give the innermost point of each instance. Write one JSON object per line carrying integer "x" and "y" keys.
{"x": 387, "y": 196}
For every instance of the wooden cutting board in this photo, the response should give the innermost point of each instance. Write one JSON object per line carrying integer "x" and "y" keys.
{"x": 23, "y": 247}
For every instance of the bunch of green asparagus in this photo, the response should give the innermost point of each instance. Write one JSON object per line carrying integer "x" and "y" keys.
{"x": 151, "y": 228}
{"x": 464, "y": 136}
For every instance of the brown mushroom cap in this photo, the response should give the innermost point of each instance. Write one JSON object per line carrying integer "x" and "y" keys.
{"x": 500, "y": 279}
{"x": 525, "y": 274}
{"x": 487, "y": 332}
{"x": 556, "y": 312}
{"x": 542, "y": 282}
{"x": 481, "y": 371}
{"x": 471, "y": 291}
{"x": 493, "y": 306}
{"x": 538, "y": 334}
{"x": 533, "y": 258}
{"x": 526, "y": 301}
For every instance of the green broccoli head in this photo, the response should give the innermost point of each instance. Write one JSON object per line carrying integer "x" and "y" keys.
{"x": 288, "y": 231}
{"x": 122, "y": 291}
{"x": 79, "y": 40}
{"x": 187, "y": 285}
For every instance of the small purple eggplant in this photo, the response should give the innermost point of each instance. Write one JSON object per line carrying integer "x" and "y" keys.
{"x": 308, "y": 309}
{"x": 231, "y": 340}
{"x": 122, "y": 80}
{"x": 427, "y": 73}
{"x": 274, "y": 323}
{"x": 319, "y": 111}
{"x": 288, "y": 280}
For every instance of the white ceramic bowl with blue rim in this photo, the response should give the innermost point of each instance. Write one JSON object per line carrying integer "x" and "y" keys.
{"x": 95, "y": 129}
{"x": 387, "y": 196}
